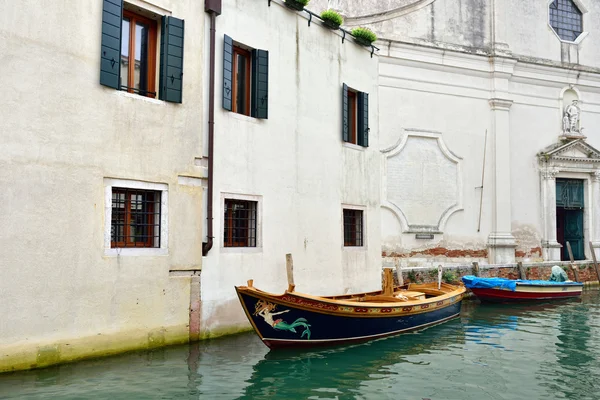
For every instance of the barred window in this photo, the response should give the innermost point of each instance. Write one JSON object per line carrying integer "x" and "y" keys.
{"x": 239, "y": 229}
{"x": 353, "y": 227}
{"x": 566, "y": 19}
{"x": 135, "y": 220}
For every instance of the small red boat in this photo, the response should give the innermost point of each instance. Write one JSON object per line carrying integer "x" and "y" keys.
{"x": 511, "y": 290}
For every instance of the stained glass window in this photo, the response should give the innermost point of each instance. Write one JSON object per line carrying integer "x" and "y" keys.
{"x": 566, "y": 19}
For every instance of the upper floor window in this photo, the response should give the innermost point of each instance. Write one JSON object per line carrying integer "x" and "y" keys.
{"x": 566, "y": 19}
{"x": 128, "y": 59}
{"x": 245, "y": 79}
{"x": 355, "y": 116}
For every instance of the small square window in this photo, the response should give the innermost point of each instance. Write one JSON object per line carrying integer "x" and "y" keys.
{"x": 135, "y": 218}
{"x": 353, "y": 228}
{"x": 239, "y": 228}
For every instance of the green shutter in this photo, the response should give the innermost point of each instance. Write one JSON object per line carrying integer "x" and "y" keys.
{"x": 260, "y": 84}
{"x": 345, "y": 127}
{"x": 227, "y": 72}
{"x": 171, "y": 59}
{"x": 363, "y": 119}
{"x": 110, "y": 54}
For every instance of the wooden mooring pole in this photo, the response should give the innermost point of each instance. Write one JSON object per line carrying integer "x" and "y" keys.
{"x": 595, "y": 262}
{"x": 572, "y": 265}
{"x": 522, "y": 272}
{"x": 388, "y": 282}
{"x": 289, "y": 264}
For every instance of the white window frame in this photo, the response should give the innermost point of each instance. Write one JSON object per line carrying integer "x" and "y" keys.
{"x": 364, "y": 227}
{"x": 163, "y": 250}
{"x": 259, "y": 209}
{"x": 584, "y": 22}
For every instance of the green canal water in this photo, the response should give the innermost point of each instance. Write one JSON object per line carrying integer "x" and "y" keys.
{"x": 541, "y": 351}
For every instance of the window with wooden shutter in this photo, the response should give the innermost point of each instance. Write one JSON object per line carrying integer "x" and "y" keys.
{"x": 110, "y": 54}
{"x": 171, "y": 56}
{"x": 260, "y": 100}
{"x": 363, "y": 119}
{"x": 355, "y": 116}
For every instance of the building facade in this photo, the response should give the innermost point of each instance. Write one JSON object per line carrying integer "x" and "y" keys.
{"x": 488, "y": 127}
{"x": 296, "y": 148}
{"x": 101, "y": 202}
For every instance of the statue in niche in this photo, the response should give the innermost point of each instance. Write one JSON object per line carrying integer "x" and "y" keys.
{"x": 571, "y": 118}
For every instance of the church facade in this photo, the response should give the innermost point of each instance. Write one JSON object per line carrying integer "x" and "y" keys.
{"x": 489, "y": 116}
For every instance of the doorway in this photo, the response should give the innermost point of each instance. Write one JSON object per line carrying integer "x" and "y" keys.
{"x": 569, "y": 217}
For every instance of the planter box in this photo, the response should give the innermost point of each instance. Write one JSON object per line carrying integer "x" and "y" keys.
{"x": 294, "y": 5}
{"x": 362, "y": 42}
{"x": 330, "y": 24}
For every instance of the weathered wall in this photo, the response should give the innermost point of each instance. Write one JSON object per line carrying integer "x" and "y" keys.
{"x": 63, "y": 295}
{"x": 294, "y": 164}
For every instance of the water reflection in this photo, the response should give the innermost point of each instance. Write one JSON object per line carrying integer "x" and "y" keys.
{"x": 341, "y": 371}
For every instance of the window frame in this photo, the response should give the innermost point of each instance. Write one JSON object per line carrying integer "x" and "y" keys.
{"x": 363, "y": 224}
{"x": 352, "y": 116}
{"x": 230, "y": 224}
{"x": 109, "y": 184}
{"x": 238, "y": 50}
{"x": 584, "y": 22}
{"x": 152, "y": 48}
{"x": 259, "y": 225}
{"x": 149, "y": 215}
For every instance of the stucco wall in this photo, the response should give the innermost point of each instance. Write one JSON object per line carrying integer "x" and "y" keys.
{"x": 63, "y": 134}
{"x": 295, "y": 163}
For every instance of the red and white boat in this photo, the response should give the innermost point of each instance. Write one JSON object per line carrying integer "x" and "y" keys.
{"x": 510, "y": 290}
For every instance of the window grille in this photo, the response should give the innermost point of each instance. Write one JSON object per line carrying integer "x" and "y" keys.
{"x": 239, "y": 229}
{"x": 566, "y": 19}
{"x": 135, "y": 218}
{"x": 353, "y": 227}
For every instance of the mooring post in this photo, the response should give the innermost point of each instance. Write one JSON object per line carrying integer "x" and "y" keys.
{"x": 522, "y": 272}
{"x": 572, "y": 265}
{"x": 595, "y": 262}
{"x": 289, "y": 264}
{"x": 388, "y": 282}
{"x": 399, "y": 275}
{"x": 475, "y": 268}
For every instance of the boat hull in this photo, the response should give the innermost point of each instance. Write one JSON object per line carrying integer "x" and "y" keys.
{"x": 296, "y": 321}
{"x": 528, "y": 293}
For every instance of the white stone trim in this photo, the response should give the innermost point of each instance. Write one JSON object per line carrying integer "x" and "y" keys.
{"x": 259, "y": 222}
{"x": 163, "y": 250}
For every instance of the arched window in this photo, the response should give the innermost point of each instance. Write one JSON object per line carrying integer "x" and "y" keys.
{"x": 566, "y": 19}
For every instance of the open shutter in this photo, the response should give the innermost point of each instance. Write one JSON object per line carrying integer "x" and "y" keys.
{"x": 110, "y": 56}
{"x": 345, "y": 122}
{"x": 260, "y": 81}
{"x": 171, "y": 59}
{"x": 363, "y": 119}
{"x": 227, "y": 73}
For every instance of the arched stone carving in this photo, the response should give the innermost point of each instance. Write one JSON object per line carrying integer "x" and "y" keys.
{"x": 422, "y": 181}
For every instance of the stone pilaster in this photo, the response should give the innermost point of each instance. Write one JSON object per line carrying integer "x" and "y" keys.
{"x": 595, "y": 212}
{"x": 501, "y": 242}
{"x": 550, "y": 247}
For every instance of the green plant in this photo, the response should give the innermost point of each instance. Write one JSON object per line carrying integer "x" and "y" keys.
{"x": 412, "y": 276}
{"x": 297, "y": 5}
{"x": 332, "y": 17}
{"x": 364, "y": 35}
{"x": 433, "y": 273}
{"x": 448, "y": 277}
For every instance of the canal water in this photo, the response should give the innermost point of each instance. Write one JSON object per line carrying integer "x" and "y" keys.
{"x": 541, "y": 351}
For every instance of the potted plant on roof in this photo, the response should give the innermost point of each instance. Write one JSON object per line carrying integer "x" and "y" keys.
{"x": 364, "y": 36}
{"x": 331, "y": 19}
{"x": 297, "y": 5}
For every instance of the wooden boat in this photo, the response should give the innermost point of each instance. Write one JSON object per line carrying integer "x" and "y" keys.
{"x": 294, "y": 319}
{"x": 517, "y": 290}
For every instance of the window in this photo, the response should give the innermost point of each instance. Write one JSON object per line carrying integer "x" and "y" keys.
{"x": 245, "y": 79}
{"x": 353, "y": 227}
{"x": 239, "y": 229}
{"x": 355, "y": 117}
{"x": 566, "y": 19}
{"x": 128, "y": 59}
{"x": 135, "y": 218}
{"x": 138, "y": 53}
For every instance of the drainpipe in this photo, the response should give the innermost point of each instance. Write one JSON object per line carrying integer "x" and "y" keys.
{"x": 213, "y": 7}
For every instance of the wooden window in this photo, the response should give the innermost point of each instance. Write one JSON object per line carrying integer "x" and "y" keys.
{"x": 239, "y": 229}
{"x": 352, "y": 117}
{"x": 138, "y": 54}
{"x": 241, "y": 80}
{"x": 353, "y": 227}
{"x": 135, "y": 220}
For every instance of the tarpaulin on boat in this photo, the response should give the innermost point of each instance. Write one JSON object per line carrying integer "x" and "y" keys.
{"x": 472, "y": 281}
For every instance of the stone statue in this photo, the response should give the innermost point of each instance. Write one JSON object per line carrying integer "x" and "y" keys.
{"x": 571, "y": 118}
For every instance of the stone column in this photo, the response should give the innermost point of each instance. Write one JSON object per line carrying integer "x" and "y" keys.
{"x": 595, "y": 213}
{"x": 550, "y": 247}
{"x": 501, "y": 242}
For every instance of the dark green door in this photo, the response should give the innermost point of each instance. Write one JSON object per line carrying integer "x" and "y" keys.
{"x": 569, "y": 217}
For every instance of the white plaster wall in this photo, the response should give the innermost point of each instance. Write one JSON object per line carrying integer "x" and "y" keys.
{"x": 296, "y": 163}
{"x": 62, "y": 134}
